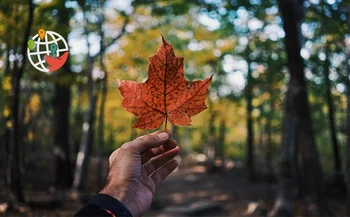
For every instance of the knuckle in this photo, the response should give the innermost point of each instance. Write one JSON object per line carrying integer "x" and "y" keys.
{"x": 112, "y": 156}
{"x": 150, "y": 138}
{"x": 126, "y": 146}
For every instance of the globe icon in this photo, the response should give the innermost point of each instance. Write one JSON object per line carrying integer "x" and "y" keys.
{"x": 48, "y": 43}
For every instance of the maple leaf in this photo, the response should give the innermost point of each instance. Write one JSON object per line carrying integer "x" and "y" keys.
{"x": 166, "y": 95}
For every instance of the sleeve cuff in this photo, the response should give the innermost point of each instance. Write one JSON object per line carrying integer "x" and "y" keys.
{"x": 111, "y": 205}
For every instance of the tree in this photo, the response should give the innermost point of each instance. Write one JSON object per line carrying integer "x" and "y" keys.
{"x": 88, "y": 125}
{"x": 332, "y": 126}
{"x": 250, "y": 159}
{"x": 333, "y": 30}
{"x": 61, "y": 102}
{"x": 14, "y": 162}
{"x": 297, "y": 124}
{"x": 103, "y": 90}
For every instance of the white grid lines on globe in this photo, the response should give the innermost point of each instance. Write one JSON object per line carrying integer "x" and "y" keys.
{"x": 45, "y": 52}
{"x": 39, "y": 56}
{"x": 46, "y": 43}
{"x": 40, "y": 62}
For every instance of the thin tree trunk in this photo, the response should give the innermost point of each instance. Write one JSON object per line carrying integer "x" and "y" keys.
{"x": 259, "y": 147}
{"x": 211, "y": 138}
{"x": 250, "y": 159}
{"x": 87, "y": 133}
{"x": 6, "y": 135}
{"x": 211, "y": 152}
{"x": 104, "y": 89}
{"x": 211, "y": 134}
{"x": 268, "y": 135}
{"x": 88, "y": 125}
{"x": 331, "y": 119}
{"x": 101, "y": 137}
{"x": 78, "y": 120}
{"x": 220, "y": 151}
{"x": 268, "y": 151}
{"x": 14, "y": 163}
{"x": 5, "y": 151}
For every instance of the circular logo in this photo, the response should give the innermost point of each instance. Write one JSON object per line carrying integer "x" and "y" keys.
{"x": 47, "y": 51}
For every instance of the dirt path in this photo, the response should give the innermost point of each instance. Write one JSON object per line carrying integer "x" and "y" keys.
{"x": 209, "y": 194}
{"x": 187, "y": 192}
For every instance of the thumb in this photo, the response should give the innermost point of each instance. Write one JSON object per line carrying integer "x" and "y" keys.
{"x": 149, "y": 141}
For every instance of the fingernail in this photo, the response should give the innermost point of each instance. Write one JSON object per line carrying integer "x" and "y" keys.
{"x": 163, "y": 136}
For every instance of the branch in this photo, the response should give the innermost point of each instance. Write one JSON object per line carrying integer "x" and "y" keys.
{"x": 103, "y": 48}
{"x": 24, "y": 43}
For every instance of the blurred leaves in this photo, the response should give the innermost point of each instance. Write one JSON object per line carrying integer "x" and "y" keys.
{"x": 215, "y": 37}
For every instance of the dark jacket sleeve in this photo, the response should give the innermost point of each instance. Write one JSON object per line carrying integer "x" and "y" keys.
{"x": 92, "y": 210}
{"x": 104, "y": 205}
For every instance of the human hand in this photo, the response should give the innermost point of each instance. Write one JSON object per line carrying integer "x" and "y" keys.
{"x": 138, "y": 167}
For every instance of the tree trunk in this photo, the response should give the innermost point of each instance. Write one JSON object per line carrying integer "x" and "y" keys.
{"x": 220, "y": 147}
{"x": 88, "y": 125}
{"x": 104, "y": 89}
{"x": 268, "y": 130}
{"x": 5, "y": 138}
{"x": 85, "y": 147}
{"x": 250, "y": 159}
{"x": 211, "y": 136}
{"x": 297, "y": 123}
{"x": 101, "y": 138}
{"x": 14, "y": 164}
{"x": 283, "y": 204}
{"x": 87, "y": 133}
{"x": 61, "y": 102}
{"x": 331, "y": 119}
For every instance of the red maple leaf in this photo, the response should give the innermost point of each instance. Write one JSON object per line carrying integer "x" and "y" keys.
{"x": 166, "y": 94}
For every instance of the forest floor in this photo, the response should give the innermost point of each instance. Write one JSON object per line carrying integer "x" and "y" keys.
{"x": 189, "y": 191}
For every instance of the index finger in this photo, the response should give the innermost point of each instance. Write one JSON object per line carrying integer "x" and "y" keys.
{"x": 149, "y": 141}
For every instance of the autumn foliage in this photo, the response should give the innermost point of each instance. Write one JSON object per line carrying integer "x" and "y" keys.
{"x": 166, "y": 95}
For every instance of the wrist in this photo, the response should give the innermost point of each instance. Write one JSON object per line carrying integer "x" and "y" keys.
{"x": 110, "y": 205}
{"x": 122, "y": 196}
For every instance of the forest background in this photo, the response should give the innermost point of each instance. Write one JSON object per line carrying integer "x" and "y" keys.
{"x": 278, "y": 106}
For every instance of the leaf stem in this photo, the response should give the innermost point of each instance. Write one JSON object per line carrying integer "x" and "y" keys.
{"x": 166, "y": 121}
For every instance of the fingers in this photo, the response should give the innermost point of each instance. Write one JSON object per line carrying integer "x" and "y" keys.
{"x": 149, "y": 141}
{"x": 150, "y": 153}
{"x": 162, "y": 173}
{"x": 160, "y": 160}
